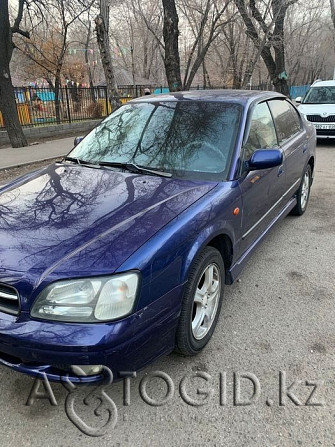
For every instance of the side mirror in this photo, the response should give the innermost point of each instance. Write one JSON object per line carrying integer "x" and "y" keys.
{"x": 298, "y": 100}
{"x": 77, "y": 140}
{"x": 265, "y": 159}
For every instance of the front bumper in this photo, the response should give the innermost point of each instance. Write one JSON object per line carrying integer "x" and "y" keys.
{"x": 48, "y": 349}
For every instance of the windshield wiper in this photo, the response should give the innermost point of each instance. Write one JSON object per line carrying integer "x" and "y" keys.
{"x": 78, "y": 161}
{"x": 132, "y": 167}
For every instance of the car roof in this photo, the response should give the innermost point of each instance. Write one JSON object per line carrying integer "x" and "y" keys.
{"x": 330, "y": 83}
{"x": 242, "y": 97}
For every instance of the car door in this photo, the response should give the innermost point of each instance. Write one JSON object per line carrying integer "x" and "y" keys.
{"x": 293, "y": 140}
{"x": 261, "y": 190}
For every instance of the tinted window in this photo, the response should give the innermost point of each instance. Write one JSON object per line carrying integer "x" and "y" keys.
{"x": 188, "y": 138}
{"x": 262, "y": 134}
{"x": 320, "y": 95}
{"x": 286, "y": 119}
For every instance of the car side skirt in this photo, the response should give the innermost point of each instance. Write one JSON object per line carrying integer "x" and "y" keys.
{"x": 236, "y": 268}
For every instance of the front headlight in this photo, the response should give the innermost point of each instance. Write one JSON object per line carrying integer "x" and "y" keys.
{"x": 88, "y": 300}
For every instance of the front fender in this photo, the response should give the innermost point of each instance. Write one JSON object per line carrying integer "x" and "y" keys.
{"x": 166, "y": 258}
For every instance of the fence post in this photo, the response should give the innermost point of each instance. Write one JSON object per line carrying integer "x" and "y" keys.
{"x": 68, "y": 104}
{"x": 106, "y": 96}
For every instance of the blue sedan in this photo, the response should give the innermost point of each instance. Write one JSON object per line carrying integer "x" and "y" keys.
{"x": 119, "y": 253}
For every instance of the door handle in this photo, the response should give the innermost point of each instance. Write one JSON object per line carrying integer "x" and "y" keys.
{"x": 305, "y": 147}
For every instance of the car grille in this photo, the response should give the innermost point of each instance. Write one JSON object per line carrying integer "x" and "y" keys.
{"x": 321, "y": 119}
{"x": 9, "y": 300}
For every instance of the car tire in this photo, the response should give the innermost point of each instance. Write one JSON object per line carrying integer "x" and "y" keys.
{"x": 303, "y": 193}
{"x": 201, "y": 303}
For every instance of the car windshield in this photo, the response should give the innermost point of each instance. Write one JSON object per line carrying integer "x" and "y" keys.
{"x": 189, "y": 139}
{"x": 320, "y": 95}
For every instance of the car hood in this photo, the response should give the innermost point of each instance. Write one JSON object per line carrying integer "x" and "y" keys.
{"x": 69, "y": 220}
{"x": 317, "y": 109}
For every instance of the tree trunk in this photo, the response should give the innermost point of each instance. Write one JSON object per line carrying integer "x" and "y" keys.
{"x": 7, "y": 97}
{"x": 279, "y": 11}
{"x": 87, "y": 61}
{"x": 275, "y": 65}
{"x": 170, "y": 34}
{"x": 247, "y": 75}
{"x": 332, "y": 11}
{"x": 57, "y": 102}
{"x": 101, "y": 23}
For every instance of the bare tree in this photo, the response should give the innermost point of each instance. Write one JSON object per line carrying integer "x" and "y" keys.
{"x": 7, "y": 97}
{"x": 147, "y": 39}
{"x": 49, "y": 44}
{"x": 87, "y": 25}
{"x": 233, "y": 53}
{"x": 206, "y": 22}
{"x": 265, "y": 26}
{"x": 309, "y": 43}
{"x": 146, "y": 50}
{"x": 102, "y": 25}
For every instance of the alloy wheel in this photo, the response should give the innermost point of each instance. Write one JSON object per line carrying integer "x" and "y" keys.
{"x": 206, "y": 299}
{"x": 305, "y": 191}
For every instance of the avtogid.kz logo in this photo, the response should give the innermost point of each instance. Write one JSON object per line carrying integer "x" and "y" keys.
{"x": 195, "y": 389}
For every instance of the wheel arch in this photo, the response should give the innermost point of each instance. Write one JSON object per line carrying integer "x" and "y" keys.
{"x": 311, "y": 162}
{"x": 223, "y": 241}
{"x": 224, "y": 245}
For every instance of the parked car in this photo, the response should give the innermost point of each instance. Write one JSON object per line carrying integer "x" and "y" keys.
{"x": 119, "y": 253}
{"x": 318, "y": 106}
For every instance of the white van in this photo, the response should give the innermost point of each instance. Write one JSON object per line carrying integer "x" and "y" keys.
{"x": 318, "y": 106}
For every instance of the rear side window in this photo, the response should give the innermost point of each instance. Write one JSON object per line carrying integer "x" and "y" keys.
{"x": 286, "y": 119}
{"x": 262, "y": 133}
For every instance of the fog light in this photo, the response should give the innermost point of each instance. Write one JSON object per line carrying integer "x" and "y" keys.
{"x": 86, "y": 370}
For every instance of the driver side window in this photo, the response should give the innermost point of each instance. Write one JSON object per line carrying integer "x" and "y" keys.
{"x": 262, "y": 133}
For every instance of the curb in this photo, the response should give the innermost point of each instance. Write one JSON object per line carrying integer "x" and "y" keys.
{"x": 30, "y": 162}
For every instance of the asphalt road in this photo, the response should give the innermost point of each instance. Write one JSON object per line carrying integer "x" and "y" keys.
{"x": 277, "y": 321}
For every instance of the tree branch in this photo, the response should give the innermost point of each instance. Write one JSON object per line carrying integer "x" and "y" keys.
{"x": 16, "y": 27}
